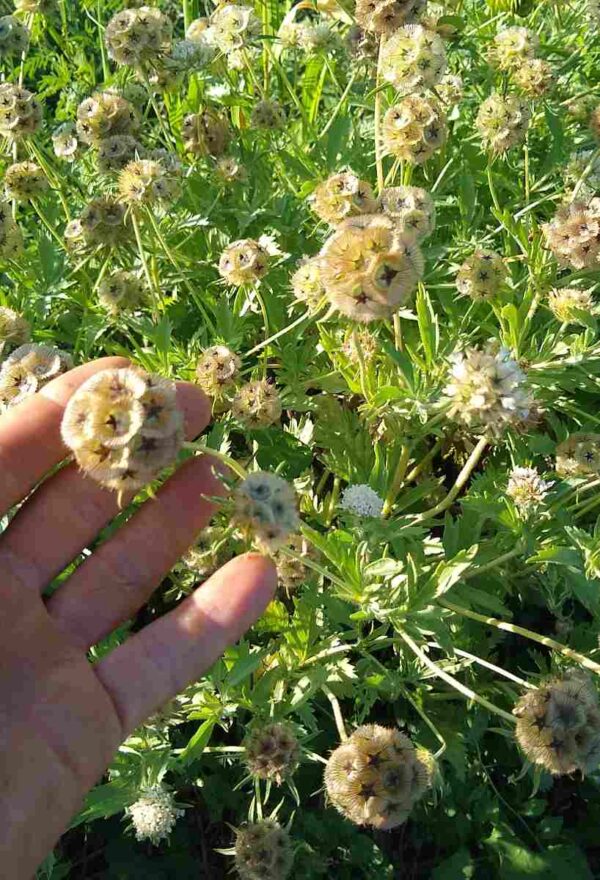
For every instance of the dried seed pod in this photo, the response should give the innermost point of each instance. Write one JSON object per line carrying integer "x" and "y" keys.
{"x": 121, "y": 291}
{"x": 414, "y": 128}
{"x": 138, "y": 36}
{"x": 512, "y": 46}
{"x": 534, "y": 77}
{"x": 28, "y": 369}
{"x": 64, "y": 142}
{"x": 573, "y": 235}
{"x": 386, "y": 16}
{"x": 102, "y": 223}
{"x": 272, "y": 752}
{"x": 292, "y": 572}
{"x": 571, "y": 305}
{"x": 11, "y": 238}
{"x": 268, "y": 115}
{"x": 243, "y": 262}
{"x": 14, "y": 329}
{"x": 217, "y": 370}
{"x": 14, "y": 36}
{"x": 411, "y": 208}
{"x": 148, "y": 182}
{"x": 257, "y": 404}
{"x": 377, "y": 776}
{"x": 413, "y": 59}
{"x": 265, "y": 509}
{"x": 578, "y": 455}
{"x": 206, "y": 133}
{"x": 20, "y": 112}
{"x": 307, "y": 285}
{"x": 24, "y": 181}
{"x": 123, "y": 427}
{"x": 105, "y": 115}
{"x": 342, "y": 195}
{"x": 263, "y": 851}
{"x": 482, "y": 275}
{"x": 233, "y": 27}
{"x": 502, "y": 122}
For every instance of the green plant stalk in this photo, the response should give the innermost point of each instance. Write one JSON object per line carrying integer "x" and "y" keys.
{"x": 421, "y": 712}
{"x": 154, "y": 291}
{"x": 491, "y": 666}
{"x": 414, "y": 473}
{"x": 337, "y": 713}
{"x": 378, "y": 111}
{"x": 338, "y": 106}
{"x": 305, "y": 317}
{"x": 526, "y": 633}
{"x": 397, "y": 479}
{"x": 233, "y": 465}
{"x": 461, "y": 480}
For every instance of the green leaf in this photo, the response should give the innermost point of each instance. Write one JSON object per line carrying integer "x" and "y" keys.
{"x": 460, "y": 866}
{"x": 198, "y": 742}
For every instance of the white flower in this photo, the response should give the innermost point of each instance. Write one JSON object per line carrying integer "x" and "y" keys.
{"x": 154, "y": 814}
{"x": 526, "y": 488}
{"x": 362, "y": 500}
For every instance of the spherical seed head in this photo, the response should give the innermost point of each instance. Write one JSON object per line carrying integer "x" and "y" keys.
{"x": 450, "y": 89}
{"x": 24, "y": 181}
{"x": 573, "y": 235}
{"x": 386, "y": 16}
{"x": 482, "y": 275}
{"x": 265, "y": 507}
{"x": 512, "y": 45}
{"x": 369, "y": 268}
{"x": 233, "y": 27}
{"x": 291, "y": 572}
{"x": 377, "y": 776}
{"x": 534, "y": 77}
{"x": 578, "y": 455}
{"x": 154, "y": 814}
{"x": 137, "y": 36}
{"x": 211, "y": 549}
{"x": 411, "y": 208}
{"x": 414, "y": 128}
{"x": 14, "y": 36}
{"x": 487, "y": 390}
{"x": 197, "y": 29}
{"x": 104, "y": 115}
{"x": 28, "y": 369}
{"x": 268, "y": 115}
{"x": 272, "y": 752}
{"x": 263, "y": 851}
{"x": 307, "y": 286}
{"x": 243, "y": 262}
{"x": 342, "y": 195}
{"x": 217, "y": 370}
{"x": 558, "y": 724}
{"x": 413, "y": 59}
{"x": 502, "y": 122}
{"x": 361, "y": 500}
{"x": 206, "y": 133}
{"x": 580, "y": 107}
{"x": 318, "y": 38}
{"x": 230, "y": 170}
{"x": 571, "y": 305}
{"x": 14, "y": 329}
{"x": 527, "y": 489}
{"x": 121, "y": 291}
{"x": 257, "y": 404}
{"x": 148, "y": 182}
{"x": 65, "y": 142}
{"x": 20, "y": 112}
{"x": 11, "y": 238}
{"x": 188, "y": 56}
{"x": 362, "y": 46}
{"x": 123, "y": 427}
{"x": 102, "y": 223}
{"x": 117, "y": 151}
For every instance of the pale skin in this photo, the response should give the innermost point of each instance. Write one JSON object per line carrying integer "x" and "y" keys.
{"x": 61, "y": 719}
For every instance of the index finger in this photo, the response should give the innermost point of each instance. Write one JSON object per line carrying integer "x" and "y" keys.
{"x": 30, "y": 441}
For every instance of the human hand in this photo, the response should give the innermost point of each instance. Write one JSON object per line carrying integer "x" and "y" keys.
{"x": 61, "y": 719}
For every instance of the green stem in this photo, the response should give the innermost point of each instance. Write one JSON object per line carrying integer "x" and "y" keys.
{"x": 154, "y": 291}
{"x": 397, "y": 479}
{"x": 461, "y": 480}
{"x": 233, "y": 465}
{"x": 279, "y": 334}
{"x": 378, "y": 110}
{"x": 337, "y": 713}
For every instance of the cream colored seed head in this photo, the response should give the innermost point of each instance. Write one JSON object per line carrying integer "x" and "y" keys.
{"x": 11, "y": 238}
{"x": 154, "y": 814}
{"x": 24, "y": 181}
{"x": 571, "y": 305}
{"x": 413, "y": 59}
{"x": 243, "y": 262}
{"x": 317, "y": 38}
{"x": 230, "y": 170}
{"x": 137, "y": 36}
{"x": 573, "y": 235}
{"x": 257, "y": 405}
{"x": 212, "y": 549}
{"x": 148, "y": 182}
{"x": 511, "y": 46}
{"x": 307, "y": 285}
{"x": 534, "y": 77}
{"x": 292, "y": 572}
{"x": 377, "y": 776}
{"x": 123, "y": 427}
{"x": 482, "y": 275}
{"x": 233, "y": 27}
{"x": 272, "y": 752}
{"x": 342, "y": 195}
{"x": 104, "y": 115}
{"x": 268, "y": 115}
{"x": 502, "y": 122}
{"x": 14, "y": 36}
{"x": 558, "y": 724}
{"x": 411, "y": 208}
{"x": 414, "y": 128}
{"x": 28, "y": 369}
{"x": 578, "y": 455}
{"x": 20, "y": 112}
{"x": 121, "y": 291}
{"x": 116, "y": 151}
{"x": 450, "y": 89}
{"x": 102, "y": 223}
{"x": 14, "y": 329}
{"x": 206, "y": 133}
{"x": 386, "y": 16}
{"x": 265, "y": 509}
{"x": 217, "y": 370}
{"x": 64, "y": 142}
{"x": 263, "y": 851}
{"x": 369, "y": 268}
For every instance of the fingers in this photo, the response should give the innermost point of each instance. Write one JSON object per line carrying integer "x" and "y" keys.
{"x": 68, "y": 510}
{"x": 116, "y": 580}
{"x": 30, "y": 442}
{"x": 158, "y": 662}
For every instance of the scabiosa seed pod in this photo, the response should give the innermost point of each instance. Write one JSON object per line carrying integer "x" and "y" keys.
{"x": 138, "y": 36}
{"x": 20, "y": 111}
{"x": 121, "y": 291}
{"x": 482, "y": 275}
{"x": 64, "y": 142}
{"x": 117, "y": 151}
{"x": 188, "y": 56}
{"x": 362, "y": 46}
{"x": 502, "y": 122}
{"x": 558, "y": 724}
{"x": 413, "y": 58}
{"x": 570, "y": 305}
{"x": 580, "y": 107}
{"x": 263, "y": 851}
{"x": 243, "y": 262}
{"x": 377, "y": 776}
{"x": 342, "y": 195}
{"x": 257, "y": 404}
{"x": 102, "y": 223}
{"x": 307, "y": 286}
{"x": 386, "y": 16}
{"x": 268, "y": 115}
{"x": 230, "y": 170}
{"x": 233, "y": 27}
{"x": 527, "y": 489}
{"x": 11, "y": 238}
{"x": 28, "y": 369}
{"x": 272, "y": 752}
{"x": 361, "y": 500}
{"x": 534, "y": 77}
{"x": 212, "y": 549}
{"x": 206, "y": 133}
{"x": 14, "y": 329}
{"x": 265, "y": 509}
{"x": 293, "y": 572}
{"x": 412, "y": 208}
{"x": 573, "y": 235}
{"x": 123, "y": 427}
{"x": 487, "y": 390}
{"x": 578, "y": 455}
{"x": 103, "y": 115}
{"x": 318, "y": 38}
{"x": 24, "y": 181}
{"x": 148, "y": 182}
{"x": 14, "y": 36}
{"x": 369, "y": 268}
{"x": 432, "y": 20}
{"x": 33, "y": 7}
{"x": 289, "y": 34}
{"x": 154, "y": 814}
{"x": 414, "y": 128}
{"x": 511, "y": 46}
{"x": 450, "y": 89}
{"x": 217, "y": 370}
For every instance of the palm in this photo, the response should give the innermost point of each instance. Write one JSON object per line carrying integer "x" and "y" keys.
{"x": 62, "y": 718}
